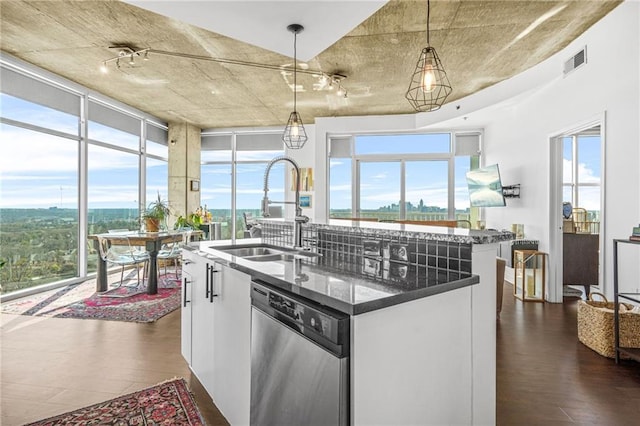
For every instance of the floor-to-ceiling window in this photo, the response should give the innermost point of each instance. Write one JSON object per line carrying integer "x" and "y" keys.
{"x": 113, "y": 169}
{"x": 216, "y": 180}
{"x": 232, "y": 175}
{"x": 157, "y": 167}
{"x": 401, "y": 176}
{"x": 39, "y": 220}
{"x": 51, "y": 159}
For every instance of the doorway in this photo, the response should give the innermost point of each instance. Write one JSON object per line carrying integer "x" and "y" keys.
{"x": 577, "y": 211}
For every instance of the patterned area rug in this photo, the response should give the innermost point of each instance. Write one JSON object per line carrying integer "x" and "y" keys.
{"x": 131, "y": 304}
{"x": 168, "y": 403}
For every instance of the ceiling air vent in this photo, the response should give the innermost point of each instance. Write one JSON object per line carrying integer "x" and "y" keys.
{"x": 576, "y": 61}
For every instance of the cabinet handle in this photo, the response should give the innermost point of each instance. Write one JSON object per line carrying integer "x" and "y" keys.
{"x": 208, "y": 278}
{"x": 212, "y": 294}
{"x": 185, "y": 301}
{"x": 186, "y": 262}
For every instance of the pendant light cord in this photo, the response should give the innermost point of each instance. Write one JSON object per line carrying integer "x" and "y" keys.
{"x": 295, "y": 67}
{"x": 428, "y": 13}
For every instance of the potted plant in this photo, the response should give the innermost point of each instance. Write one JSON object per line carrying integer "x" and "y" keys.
{"x": 192, "y": 221}
{"x": 155, "y": 214}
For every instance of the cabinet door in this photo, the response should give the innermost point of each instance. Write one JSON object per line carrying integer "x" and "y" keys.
{"x": 190, "y": 270}
{"x": 185, "y": 321}
{"x": 202, "y": 333}
{"x": 232, "y": 358}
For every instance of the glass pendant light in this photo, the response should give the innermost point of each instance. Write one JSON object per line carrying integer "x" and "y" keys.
{"x": 429, "y": 85}
{"x": 294, "y": 135}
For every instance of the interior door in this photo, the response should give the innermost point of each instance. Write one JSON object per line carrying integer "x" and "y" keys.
{"x": 577, "y": 184}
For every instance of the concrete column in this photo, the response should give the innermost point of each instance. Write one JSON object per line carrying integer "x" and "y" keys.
{"x": 184, "y": 168}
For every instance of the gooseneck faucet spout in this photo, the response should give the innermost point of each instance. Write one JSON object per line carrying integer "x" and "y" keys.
{"x": 299, "y": 218}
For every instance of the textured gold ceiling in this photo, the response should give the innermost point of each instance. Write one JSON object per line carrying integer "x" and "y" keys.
{"x": 479, "y": 42}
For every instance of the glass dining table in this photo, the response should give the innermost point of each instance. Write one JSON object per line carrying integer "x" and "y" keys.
{"x": 152, "y": 241}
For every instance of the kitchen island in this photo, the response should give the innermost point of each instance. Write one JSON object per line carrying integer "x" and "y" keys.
{"x": 421, "y": 303}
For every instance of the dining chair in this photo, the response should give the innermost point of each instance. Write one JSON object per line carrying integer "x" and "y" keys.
{"x": 117, "y": 250}
{"x": 173, "y": 251}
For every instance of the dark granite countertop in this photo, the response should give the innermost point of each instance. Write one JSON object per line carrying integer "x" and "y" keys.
{"x": 349, "y": 293}
{"x": 438, "y": 233}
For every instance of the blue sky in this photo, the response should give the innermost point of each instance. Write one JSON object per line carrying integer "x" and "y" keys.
{"x": 45, "y": 174}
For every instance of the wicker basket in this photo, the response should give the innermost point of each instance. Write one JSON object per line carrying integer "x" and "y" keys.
{"x": 595, "y": 326}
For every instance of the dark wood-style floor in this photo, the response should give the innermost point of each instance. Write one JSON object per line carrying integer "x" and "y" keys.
{"x": 545, "y": 376}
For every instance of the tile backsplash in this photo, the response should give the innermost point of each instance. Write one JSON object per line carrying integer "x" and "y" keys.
{"x": 389, "y": 256}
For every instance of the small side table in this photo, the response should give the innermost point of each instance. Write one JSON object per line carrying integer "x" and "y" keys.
{"x": 530, "y": 275}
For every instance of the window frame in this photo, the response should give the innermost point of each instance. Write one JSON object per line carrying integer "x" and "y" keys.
{"x": 402, "y": 158}
{"x": 234, "y": 162}
{"x": 85, "y": 96}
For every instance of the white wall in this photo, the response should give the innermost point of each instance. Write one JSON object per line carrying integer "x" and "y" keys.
{"x": 608, "y": 85}
{"x": 305, "y": 157}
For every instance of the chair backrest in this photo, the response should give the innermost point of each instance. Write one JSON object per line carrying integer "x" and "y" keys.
{"x": 248, "y": 220}
{"x": 113, "y": 247}
{"x": 186, "y": 236}
{"x": 173, "y": 248}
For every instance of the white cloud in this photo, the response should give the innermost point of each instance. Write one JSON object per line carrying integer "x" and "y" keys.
{"x": 585, "y": 174}
{"x": 343, "y": 187}
{"x": 32, "y": 152}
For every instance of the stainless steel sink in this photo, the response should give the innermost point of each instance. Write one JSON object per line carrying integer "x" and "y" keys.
{"x": 251, "y": 251}
{"x": 264, "y": 252}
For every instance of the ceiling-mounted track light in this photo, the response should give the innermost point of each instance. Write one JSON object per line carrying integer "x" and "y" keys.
{"x": 325, "y": 81}
{"x": 429, "y": 85}
{"x": 294, "y": 135}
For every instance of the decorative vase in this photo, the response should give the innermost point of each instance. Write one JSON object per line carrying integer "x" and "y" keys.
{"x": 152, "y": 225}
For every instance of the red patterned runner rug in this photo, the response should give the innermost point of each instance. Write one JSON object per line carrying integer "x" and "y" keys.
{"x": 131, "y": 304}
{"x": 168, "y": 403}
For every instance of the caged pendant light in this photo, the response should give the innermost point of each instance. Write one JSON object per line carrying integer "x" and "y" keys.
{"x": 294, "y": 135}
{"x": 429, "y": 85}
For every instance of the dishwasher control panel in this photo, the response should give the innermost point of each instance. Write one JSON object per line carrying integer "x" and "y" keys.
{"x": 323, "y": 325}
{"x": 301, "y": 314}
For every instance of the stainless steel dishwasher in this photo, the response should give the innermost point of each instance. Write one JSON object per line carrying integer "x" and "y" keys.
{"x": 299, "y": 361}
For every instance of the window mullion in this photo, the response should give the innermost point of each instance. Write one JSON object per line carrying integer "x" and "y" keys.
{"x": 355, "y": 189}
{"x": 83, "y": 191}
{"x": 234, "y": 167}
{"x": 403, "y": 197}
{"x": 574, "y": 170}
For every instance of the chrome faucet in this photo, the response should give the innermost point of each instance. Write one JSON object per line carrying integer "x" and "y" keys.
{"x": 299, "y": 218}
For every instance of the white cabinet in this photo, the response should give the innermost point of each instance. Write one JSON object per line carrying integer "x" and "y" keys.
{"x": 411, "y": 363}
{"x": 197, "y": 327}
{"x": 231, "y": 353}
{"x": 216, "y": 321}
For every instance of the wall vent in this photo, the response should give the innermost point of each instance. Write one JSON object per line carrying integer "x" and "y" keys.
{"x": 576, "y": 61}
